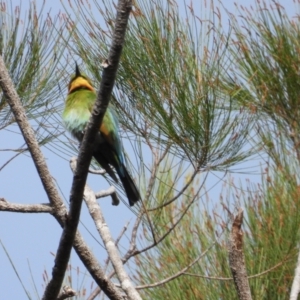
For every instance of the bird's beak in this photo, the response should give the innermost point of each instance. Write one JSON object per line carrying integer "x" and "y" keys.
{"x": 77, "y": 70}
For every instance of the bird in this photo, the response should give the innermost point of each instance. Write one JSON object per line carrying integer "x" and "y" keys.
{"x": 108, "y": 149}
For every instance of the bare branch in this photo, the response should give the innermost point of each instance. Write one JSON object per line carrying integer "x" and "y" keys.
{"x": 105, "y": 193}
{"x": 97, "y": 172}
{"x": 19, "y": 113}
{"x": 111, "y": 191}
{"x": 95, "y": 212}
{"x": 92, "y": 265}
{"x": 231, "y": 278}
{"x": 296, "y": 282}
{"x": 169, "y": 230}
{"x": 237, "y": 260}
{"x": 66, "y": 292}
{"x": 97, "y": 290}
{"x": 25, "y": 208}
{"x": 94, "y": 294}
{"x": 117, "y": 242}
{"x": 132, "y": 247}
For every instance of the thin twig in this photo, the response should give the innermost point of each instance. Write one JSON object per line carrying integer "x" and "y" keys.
{"x": 161, "y": 238}
{"x": 231, "y": 278}
{"x": 178, "y": 274}
{"x": 237, "y": 260}
{"x": 12, "y": 158}
{"x": 132, "y": 247}
{"x": 94, "y": 293}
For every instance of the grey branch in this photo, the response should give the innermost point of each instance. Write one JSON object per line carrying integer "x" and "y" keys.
{"x": 97, "y": 172}
{"x": 237, "y": 260}
{"x": 25, "y": 208}
{"x": 296, "y": 282}
{"x": 66, "y": 293}
{"x": 111, "y": 191}
{"x": 97, "y": 290}
{"x": 110, "y": 245}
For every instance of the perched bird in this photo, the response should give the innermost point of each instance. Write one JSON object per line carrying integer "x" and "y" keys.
{"x": 108, "y": 147}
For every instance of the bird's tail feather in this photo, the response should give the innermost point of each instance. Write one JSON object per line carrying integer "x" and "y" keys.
{"x": 131, "y": 190}
{"x": 101, "y": 160}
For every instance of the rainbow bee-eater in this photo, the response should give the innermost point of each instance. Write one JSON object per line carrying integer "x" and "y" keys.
{"x": 108, "y": 150}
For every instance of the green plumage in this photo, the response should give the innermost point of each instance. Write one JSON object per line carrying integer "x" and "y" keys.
{"x": 108, "y": 147}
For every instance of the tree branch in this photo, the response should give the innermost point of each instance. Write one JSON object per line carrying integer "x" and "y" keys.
{"x": 25, "y": 208}
{"x": 66, "y": 293}
{"x": 86, "y": 150}
{"x": 178, "y": 274}
{"x": 237, "y": 260}
{"x": 111, "y": 191}
{"x": 13, "y": 100}
{"x": 59, "y": 209}
{"x": 296, "y": 282}
{"x": 39, "y": 161}
{"x": 230, "y": 278}
{"x": 95, "y": 212}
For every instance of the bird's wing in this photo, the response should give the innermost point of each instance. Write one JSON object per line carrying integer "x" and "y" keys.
{"x": 110, "y": 132}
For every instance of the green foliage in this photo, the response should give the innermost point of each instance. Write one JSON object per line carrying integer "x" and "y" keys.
{"x": 200, "y": 97}
{"x": 169, "y": 87}
{"x": 272, "y": 233}
{"x": 32, "y": 48}
{"x": 265, "y": 50}
{"x": 192, "y": 96}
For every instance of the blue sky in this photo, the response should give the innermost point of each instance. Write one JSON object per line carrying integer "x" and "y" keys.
{"x": 31, "y": 238}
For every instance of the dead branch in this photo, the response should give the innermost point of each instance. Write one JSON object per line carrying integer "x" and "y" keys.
{"x": 296, "y": 282}
{"x": 20, "y": 115}
{"x": 237, "y": 260}
{"x": 97, "y": 172}
{"x": 66, "y": 293}
{"x": 95, "y": 212}
{"x": 25, "y": 208}
{"x": 231, "y": 278}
